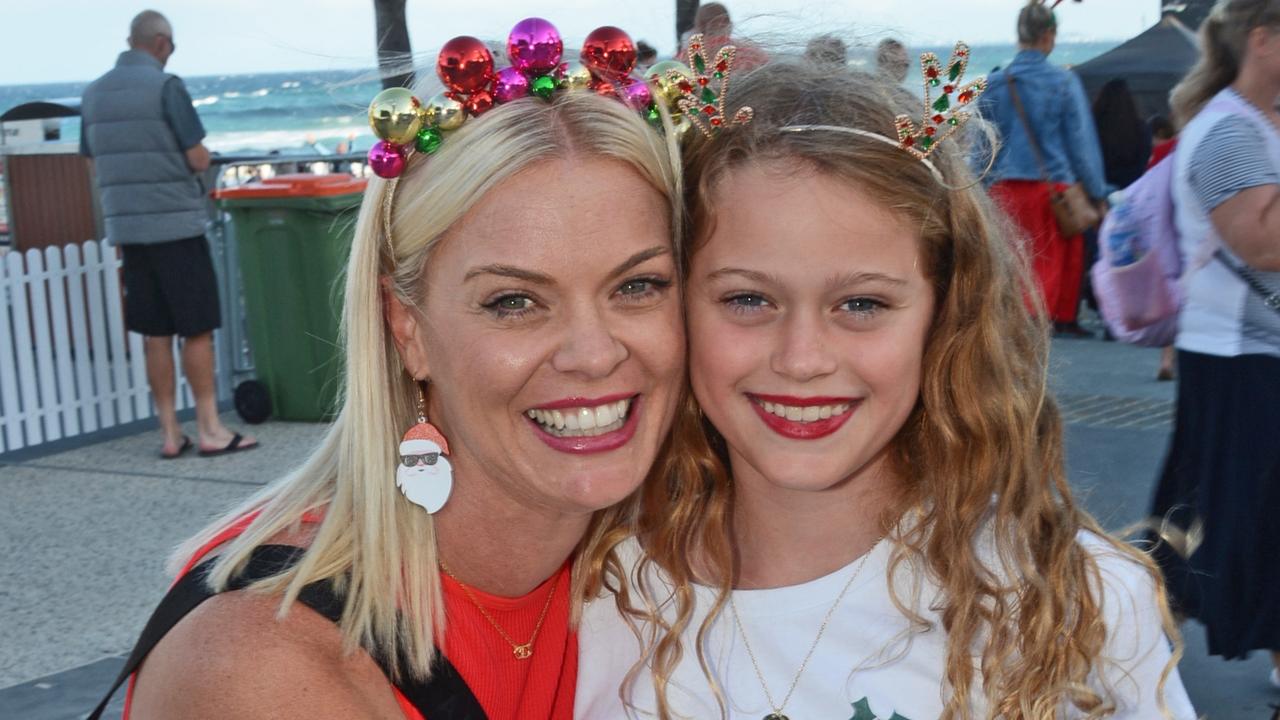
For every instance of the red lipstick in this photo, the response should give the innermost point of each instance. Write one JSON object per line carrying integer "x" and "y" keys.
{"x": 796, "y": 430}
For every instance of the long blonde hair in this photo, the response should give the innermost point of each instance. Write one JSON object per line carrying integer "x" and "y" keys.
{"x": 1224, "y": 36}
{"x": 984, "y": 427}
{"x": 378, "y": 547}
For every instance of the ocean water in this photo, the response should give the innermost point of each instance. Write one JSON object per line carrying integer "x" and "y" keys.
{"x": 321, "y": 110}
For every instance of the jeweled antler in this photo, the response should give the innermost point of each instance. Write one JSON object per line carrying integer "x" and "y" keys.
{"x": 703, "y": 106}
{"x": 944, "y": 114}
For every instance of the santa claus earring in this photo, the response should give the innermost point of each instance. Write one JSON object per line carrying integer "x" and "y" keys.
{"x": 423, "y": 473}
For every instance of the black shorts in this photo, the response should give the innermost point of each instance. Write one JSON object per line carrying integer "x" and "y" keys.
{"x": 170, "y": 288}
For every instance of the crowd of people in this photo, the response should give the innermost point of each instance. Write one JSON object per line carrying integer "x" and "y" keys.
{"x": 752, "y": 421}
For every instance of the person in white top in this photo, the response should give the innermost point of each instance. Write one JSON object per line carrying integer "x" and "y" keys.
{"x": 870, "y": 520}
{"x": 1222, "y": 472}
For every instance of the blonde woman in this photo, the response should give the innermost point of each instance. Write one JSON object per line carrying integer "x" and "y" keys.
{"x": 1222, "y": 472}
{"x": 515, "y": 292}
{"x": 873, "y": 520}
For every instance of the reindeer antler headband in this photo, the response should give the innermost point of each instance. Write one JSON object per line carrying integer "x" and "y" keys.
{"x": 943, "y": 114}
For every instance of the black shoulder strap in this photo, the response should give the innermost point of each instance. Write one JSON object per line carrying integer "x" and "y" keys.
{"x": 445, "y": 696}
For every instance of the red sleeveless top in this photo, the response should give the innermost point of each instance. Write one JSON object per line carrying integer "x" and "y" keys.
{"x": 507, "y": 687}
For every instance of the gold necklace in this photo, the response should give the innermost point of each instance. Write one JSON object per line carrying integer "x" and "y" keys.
{"x": 522, "y": 651}
{"x": 742, "y": 632}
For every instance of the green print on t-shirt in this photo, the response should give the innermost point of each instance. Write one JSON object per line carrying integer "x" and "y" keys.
{"x": 862, "y": 711}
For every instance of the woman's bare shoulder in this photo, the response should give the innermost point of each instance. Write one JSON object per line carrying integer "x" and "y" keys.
{"x": 233, "y": 656}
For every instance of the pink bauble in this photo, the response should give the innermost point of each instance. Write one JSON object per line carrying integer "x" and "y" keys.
{"x": 634, "y": 92}
{"x": 609, "y": 52}
{"x": 386, "y": 159}
{"x": 465, "y": 65}
{"x": 510, "y": 85}
{"x": 534, "y": 46}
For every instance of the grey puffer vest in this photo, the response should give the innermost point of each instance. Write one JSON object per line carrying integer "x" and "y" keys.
{"x": 149, "y": 194}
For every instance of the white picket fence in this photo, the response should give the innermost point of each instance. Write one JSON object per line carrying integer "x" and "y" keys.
{"x": 67, "y": 365}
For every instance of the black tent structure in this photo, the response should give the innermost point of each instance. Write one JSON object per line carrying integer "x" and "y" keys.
{"x": 1152, "y": 63}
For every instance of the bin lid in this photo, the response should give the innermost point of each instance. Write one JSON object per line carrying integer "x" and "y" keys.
{"x": 295, "y": 186}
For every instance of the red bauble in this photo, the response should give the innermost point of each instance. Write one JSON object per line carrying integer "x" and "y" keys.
{"x": 609, "y": 52}
{"x": 465, "y": 65}
{"x": 479, "y": 102}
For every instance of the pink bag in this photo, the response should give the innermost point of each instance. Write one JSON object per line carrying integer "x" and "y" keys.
{"x": 1139, "y": 264}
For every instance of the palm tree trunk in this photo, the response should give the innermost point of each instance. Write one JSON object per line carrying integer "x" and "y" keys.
{"x": 394, "y": 54}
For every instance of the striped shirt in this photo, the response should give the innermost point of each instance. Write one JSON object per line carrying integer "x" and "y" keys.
{"x": 1231, "y": 159}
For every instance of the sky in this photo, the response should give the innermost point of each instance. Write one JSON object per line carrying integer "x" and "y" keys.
{"x": 74, "y": 40}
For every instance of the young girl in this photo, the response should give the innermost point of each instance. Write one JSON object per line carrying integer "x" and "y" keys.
{"x": 873, "y": 520}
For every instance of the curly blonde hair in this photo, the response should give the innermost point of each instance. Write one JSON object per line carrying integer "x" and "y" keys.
{"x": 981, "y": 454}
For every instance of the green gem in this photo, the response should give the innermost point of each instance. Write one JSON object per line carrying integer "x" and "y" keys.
{"x": 543, "y": 86}
{"x": 953, "y": 121}
{"x": 708, "y": 97}
{"x": 955, "y": 72}
{"x": 927, "y": 142}
{"x": 942, "y": 103}
{"x": 652, "y": 114}
{"x": 699, "y": 64}
{"x": 935, "y": 82}
{"x": 718, "y": 74}
{"x": 428, "y": 140}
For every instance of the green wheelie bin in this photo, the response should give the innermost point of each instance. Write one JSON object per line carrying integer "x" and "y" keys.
{"x": 293, "y": 235}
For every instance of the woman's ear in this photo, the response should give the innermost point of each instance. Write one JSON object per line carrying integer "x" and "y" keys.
{"x": 406, "y": 330}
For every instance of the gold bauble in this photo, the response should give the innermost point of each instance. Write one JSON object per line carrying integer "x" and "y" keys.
{"x": 681, "y": 125}
{"x": 394, "y": 117}
{"x": 445, "y": 113}
{"x": 664, "y": 87}
{"x": 576, "y": 76}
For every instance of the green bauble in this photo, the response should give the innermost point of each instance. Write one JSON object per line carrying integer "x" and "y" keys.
{"x": 428, "y": 140}
{"x": 543, "y": 86}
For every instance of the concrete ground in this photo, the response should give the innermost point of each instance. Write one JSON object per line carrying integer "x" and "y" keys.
{"x": 84, "y": 533}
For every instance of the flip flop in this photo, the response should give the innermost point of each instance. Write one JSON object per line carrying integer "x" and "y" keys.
{"x": 182, "y": 450}
{"x": 231, "y": 447}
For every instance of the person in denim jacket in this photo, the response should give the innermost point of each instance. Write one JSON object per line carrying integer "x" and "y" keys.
{"x": 1058, "y": 112}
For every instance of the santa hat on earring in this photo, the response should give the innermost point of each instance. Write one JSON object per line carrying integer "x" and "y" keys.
{"x": 423, "y": 433}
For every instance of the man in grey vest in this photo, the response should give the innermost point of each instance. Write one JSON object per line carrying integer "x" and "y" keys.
{"x": 140, "y": 128}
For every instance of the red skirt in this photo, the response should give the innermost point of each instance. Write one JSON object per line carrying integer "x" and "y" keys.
{"x": 1058, "y": 262}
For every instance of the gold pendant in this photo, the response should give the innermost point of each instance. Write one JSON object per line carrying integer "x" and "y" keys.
{"x": 524, "y": 652}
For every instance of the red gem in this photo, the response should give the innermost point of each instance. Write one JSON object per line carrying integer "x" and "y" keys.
{"x": 695, "y": 46}
{"x": 931, "y": 72}
{"x": 908, "y": 141}
{"x": 930, "y": 131}
{"x": 937, "y": 119}
{"x": 703, "y": 81}
{"x": 966, "y": 96}
{"x": 709, "y": 109}
{"x": 716, "y": 121}
{"x": 722, "y": 66}
{"x": 685, "y": 87}
{"x": 948, "y": 89}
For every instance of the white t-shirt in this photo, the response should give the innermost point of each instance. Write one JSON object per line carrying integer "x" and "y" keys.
{"x": 870, "y": 663}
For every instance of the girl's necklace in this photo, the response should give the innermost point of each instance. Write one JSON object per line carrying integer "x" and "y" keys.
{"x": 742, "y": 632}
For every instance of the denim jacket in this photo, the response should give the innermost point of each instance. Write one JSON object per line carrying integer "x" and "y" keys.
{"x": 1058, "y": 111}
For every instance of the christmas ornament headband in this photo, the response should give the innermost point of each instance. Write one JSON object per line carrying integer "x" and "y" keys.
{"x": 943, "y": 115}
{"x": 405, "y": 124}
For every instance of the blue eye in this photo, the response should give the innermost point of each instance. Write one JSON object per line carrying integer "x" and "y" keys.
{"x": 862, "y": 305}
{"x": 745, "y": 302}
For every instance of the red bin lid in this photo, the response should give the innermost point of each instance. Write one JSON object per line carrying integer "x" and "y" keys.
{"x": 296, "y": 185}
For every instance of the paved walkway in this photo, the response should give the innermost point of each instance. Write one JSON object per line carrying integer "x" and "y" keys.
{"x": 71, "y": 606}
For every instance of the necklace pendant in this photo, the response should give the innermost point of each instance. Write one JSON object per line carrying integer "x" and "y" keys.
{"x": 776, "y": 716}
{"x": 525, "y": 651}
